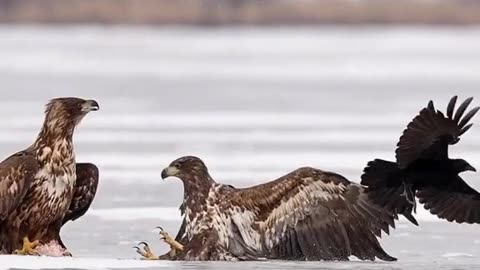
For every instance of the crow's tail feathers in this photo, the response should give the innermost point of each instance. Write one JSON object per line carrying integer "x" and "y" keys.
{"x": 385, "y": 186}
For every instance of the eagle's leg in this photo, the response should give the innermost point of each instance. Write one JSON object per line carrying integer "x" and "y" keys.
{"x": 175, "y": 246}
{"x": 28, "y": 247}
{"x": 146, "y": 252}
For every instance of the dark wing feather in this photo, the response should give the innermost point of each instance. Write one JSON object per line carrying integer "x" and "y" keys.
{"x": 16, "y": 174}
{"x": 181, "y": 232}
{"x": 430, "y": 133}
{"x": 314, "y": 215}
{"x": 84, "y": 191}
{"x": 456, "y": 202}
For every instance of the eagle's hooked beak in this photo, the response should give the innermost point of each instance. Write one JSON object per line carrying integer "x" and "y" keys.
{"x": 90, "y": 106}
{"x": 170, "y": 171}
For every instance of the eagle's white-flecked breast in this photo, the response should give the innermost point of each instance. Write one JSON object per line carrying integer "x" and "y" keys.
{"x": 212, "y": 220}
{"x": 54, "y": 193}
{"x": 52, "y": 190}
{"x": 205, "y": 220}
{"x": 219, "y": 219}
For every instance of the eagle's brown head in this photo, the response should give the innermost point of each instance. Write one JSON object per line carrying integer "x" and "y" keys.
{"x": 63, "y": 114}
{"x": 71, "y": 108}
{"x": 189, "y": 169}
{"x": 61, "y": 117}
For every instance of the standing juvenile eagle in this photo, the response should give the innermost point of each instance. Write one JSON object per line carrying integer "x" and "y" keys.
{"x": 42, "y": 187}
{"x": 423, "y": 168}
{"x": 307, "y": 214}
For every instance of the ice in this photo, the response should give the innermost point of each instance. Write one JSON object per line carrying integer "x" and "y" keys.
{"x": 457, "y": 255}
{"x": 312, "y": 57}
{"x": 20, "y": 262}
{"x": 33, "y": 262}
{"x": 138, "y": 213}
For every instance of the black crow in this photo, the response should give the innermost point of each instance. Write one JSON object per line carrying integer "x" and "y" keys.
{"x": 424, "y": 169}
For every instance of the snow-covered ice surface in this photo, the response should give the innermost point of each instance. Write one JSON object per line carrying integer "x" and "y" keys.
{"x": 99, "y": 263}
{"x": 253, "y": 103}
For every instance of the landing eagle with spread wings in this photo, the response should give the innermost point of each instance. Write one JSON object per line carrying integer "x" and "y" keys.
{"x": 424, "y": 170}
{"x": 307, "y": 214}
{"x": 42, "y": 187}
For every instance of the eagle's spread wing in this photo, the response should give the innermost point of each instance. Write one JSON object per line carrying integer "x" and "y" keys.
{"x": 84, "y": 191}
{"x": 457, "y": 202}
{"x": 430, "y": 133}
{"x": 315, "y": 215}
{"x": 16, "y": 174}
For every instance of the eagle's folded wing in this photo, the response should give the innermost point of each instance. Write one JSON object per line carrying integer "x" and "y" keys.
{"x": 16, "y": 174}
{"x": 458, "y": 202}
{"x": 181, "y": 237}
{"x": 315, "y": 215}
{"x": 84, "y": 191}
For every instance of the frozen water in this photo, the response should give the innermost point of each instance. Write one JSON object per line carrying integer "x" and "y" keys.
{"x": 74, "y": 263}
{"x": 253, "y": 103}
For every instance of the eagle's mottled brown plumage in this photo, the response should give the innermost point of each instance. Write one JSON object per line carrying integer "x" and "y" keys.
{"x": 39, "y": 187}
{"x": 307, "y": 214}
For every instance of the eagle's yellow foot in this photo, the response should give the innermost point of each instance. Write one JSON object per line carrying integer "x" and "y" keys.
{"x": 28, "y": 247}
{"x": 175, "y": 247}
{"x": 145, "y": 251}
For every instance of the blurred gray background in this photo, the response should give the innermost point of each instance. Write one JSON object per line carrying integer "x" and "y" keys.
{"x": 253, "y": 102}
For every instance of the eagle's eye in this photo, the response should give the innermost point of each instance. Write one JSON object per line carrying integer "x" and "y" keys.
{"x": 177, "y": 165}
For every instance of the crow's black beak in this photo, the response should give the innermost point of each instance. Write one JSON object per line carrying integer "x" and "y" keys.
{"x": 470, "y": 168}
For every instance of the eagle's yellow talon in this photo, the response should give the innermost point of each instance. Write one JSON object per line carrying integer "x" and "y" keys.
{"x": 146, "y": 252}
{"x": 28, "y": 247}
{"x": 175, "y": 246}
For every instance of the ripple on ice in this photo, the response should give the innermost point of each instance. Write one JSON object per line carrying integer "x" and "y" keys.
{"x": 452, "y": 255}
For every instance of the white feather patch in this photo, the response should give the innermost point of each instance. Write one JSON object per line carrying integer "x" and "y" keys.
{"x": 244, "y": 221}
